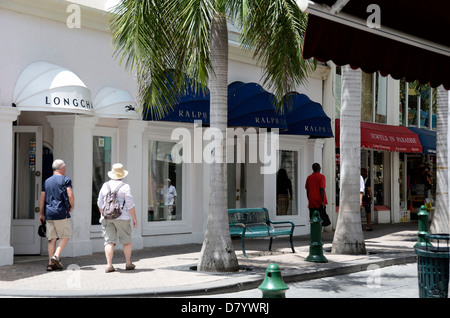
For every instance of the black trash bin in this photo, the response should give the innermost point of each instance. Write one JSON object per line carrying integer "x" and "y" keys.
{"x": 433, "y": 268}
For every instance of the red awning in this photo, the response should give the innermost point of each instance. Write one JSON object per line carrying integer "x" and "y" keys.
{"x": 385, "y": 137}
{"x": 326, "y": 40}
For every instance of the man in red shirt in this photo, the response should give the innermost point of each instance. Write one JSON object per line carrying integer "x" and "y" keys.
{"x": 315, "y": 192}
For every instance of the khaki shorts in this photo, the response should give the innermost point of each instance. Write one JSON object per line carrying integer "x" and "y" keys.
{"x": 58, "y": 229}
{"x": 113, "y": 229}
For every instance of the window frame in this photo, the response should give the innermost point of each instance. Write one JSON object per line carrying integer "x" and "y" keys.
{"x": 96, "y": 229}
{"x": 301, "y": 145}
{"x": 162, "y": 132}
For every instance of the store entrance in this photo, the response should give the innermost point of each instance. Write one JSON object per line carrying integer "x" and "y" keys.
{"x": 236, "y": 185}
{"x": 421, "y": 177}
{"x": 26, "y": 190}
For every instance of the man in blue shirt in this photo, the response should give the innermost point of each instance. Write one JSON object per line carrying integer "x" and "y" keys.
{"x": 56, "y": 202}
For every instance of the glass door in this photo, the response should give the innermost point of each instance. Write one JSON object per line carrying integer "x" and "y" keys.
{"x": 27, "y": 189}
{"x": 237, "y": 190}
{"x": 101, "y": 164}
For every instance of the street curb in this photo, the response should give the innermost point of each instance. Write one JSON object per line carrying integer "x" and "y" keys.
{"x": 289, "y": 276}
{"x": 231, "y": 285}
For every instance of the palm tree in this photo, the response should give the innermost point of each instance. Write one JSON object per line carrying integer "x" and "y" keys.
{"x": 348, "y": 238}
{"x": 440, "y": 222}
{"x": 189, "y": 37}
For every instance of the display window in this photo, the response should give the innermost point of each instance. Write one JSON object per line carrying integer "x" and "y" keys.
{"x": 287, "y": 183}
{"x": 101, "y": 164}
{"x": 164, "y": 183}
{"x": 421, "y": 180}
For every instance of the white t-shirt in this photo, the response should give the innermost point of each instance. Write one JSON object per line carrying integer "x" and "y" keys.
{"x": 124, "y": 194}
{"x": 361, "y": 184}
{"x": 170, "y": 195}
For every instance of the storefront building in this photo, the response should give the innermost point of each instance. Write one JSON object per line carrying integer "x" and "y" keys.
{"x": 398, "y": 147}
{"x": 63, "y": 95}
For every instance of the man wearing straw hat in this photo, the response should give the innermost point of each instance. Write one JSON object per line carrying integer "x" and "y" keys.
{"x": 119, "y": 227}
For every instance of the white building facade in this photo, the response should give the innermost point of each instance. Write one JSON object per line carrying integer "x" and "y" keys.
{"x": 63, "y": 95}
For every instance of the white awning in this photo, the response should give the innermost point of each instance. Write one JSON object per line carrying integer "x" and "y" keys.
{"x": 111, "y": 102}
{"x": 43, "y": 86}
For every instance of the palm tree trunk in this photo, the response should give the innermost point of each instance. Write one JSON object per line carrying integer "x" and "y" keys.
{"x": 440, "y": 222}
{"x": 217, "y": 254}
{"x": 348, "y": 238}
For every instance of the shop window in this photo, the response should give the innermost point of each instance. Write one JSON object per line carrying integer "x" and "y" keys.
{"x": 417, "y": 105}
{"x": 421, "y": 176}
{"x": 337, "y": 91}
{"x": 378, "y": 173}
{"x": 287, "y": 183}
{"x": 164, "y": 196}
{"x": 25, "y": 177}
{"x": 402, "y": 180}
{"x": 101, "y": 164}
{"x": 366, "y": 97}
{"x": 373, "y": 98}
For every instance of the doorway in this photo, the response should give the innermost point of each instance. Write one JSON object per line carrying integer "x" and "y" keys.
{"x": 27, "y": 186}
{"x": 237, "y": 191}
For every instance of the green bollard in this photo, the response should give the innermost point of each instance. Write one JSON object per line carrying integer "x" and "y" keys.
{"x": 422, "y": 240}
{"x": 316, "y": 245}
{"x": 273, "y": 285}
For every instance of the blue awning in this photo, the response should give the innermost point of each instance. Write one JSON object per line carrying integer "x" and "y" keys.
{"x": 306, "y": 117}
{"x": 250, "y": 105}
{"x": 427, "y": 139}
{"x": 191, "y": 106}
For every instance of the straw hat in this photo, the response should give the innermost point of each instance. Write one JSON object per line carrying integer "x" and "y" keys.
{"x": 117, "y": 172}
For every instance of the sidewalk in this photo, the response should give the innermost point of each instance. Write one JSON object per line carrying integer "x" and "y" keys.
{"x": 167, "y": 271}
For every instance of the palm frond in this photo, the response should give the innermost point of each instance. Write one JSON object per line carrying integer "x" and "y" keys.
{"x": 191, "y": 29}
{"x": 157, "y": 37}
{"x": 274, "y": 31}
{"x": 142, "y": 41}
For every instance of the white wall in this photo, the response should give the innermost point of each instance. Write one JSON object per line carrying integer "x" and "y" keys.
{"x": 86, "y": 52}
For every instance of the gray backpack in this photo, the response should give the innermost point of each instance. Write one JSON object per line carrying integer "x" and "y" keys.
{"x": 112, "y": 209}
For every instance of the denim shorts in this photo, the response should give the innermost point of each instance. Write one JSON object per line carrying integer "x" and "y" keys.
{"x": 113, "y": 229}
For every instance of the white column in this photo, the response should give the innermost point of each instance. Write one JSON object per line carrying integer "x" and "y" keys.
{"x": 72, "y": 143}
{"x": 315, "y": 150}
{"x": 7, "y": 116}
{"x": 131, "y": 156}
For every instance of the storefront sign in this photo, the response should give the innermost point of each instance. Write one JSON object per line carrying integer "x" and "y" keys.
{"x": 44, "y": 86}
{"x": 318, "y": 129}
{"x": 385, "y": 137}
{"x": 68, "y": 101}
{"x": 193, "y": 114}
{"x": 269, "y": 120}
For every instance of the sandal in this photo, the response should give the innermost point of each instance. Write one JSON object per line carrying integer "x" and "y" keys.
{"x": 368, "y": 228}
{"x": 130, "y": 267}
{"x": 109, "y": 269}
{"x": 51, "y": 267}
{"x": 57, "y": 262}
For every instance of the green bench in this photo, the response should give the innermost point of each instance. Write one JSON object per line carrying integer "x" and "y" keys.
{"x": 254, "y": 223}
